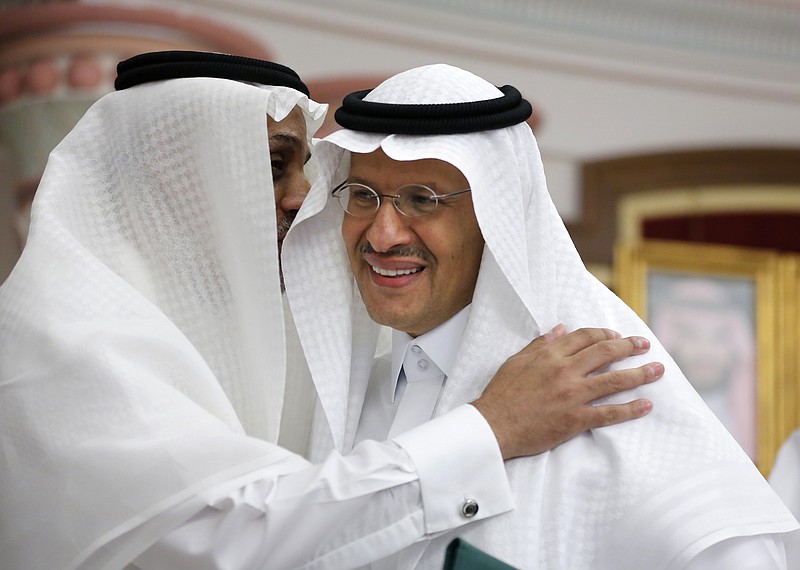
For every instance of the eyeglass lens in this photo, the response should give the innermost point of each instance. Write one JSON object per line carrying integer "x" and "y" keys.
{"x": 411, "y": 200}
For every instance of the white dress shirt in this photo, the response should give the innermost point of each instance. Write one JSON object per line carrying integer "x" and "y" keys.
{"x": 419, "y": 368}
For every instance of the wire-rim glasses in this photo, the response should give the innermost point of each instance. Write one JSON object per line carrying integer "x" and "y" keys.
{"x": 412, "y": 200}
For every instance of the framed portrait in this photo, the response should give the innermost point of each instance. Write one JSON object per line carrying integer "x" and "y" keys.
{"x": 720, "y": 312}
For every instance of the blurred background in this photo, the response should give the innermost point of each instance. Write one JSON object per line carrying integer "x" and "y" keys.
{"x": 673, "y": 120}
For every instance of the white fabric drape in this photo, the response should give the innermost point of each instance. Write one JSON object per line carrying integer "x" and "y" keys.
{"x": 785, "y": 474}
{"x": 785, "y": 479}
{"x": 141, "y": 333}
{"x": 646, "y": 494}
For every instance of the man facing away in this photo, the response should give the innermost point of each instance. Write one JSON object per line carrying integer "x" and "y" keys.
{"x": 142, "y": 357}
{"x": 431, "y": 215}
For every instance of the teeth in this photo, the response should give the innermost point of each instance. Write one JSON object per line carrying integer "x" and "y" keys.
{"x": 395, "y": 272}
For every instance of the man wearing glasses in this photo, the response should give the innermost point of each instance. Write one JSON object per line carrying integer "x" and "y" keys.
{"x": 416, "y": 266}
{"x": 431, "y": 215}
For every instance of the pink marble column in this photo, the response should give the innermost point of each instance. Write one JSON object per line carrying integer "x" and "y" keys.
{"x": 56, "y": 60}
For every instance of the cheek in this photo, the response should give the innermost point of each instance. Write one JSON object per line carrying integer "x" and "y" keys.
{"x": 279, "y": 192}
{"x": 349, "y": 233}
{"x": 470, "y": 260}
{"x": 461, "y": 259}
{"x": 352, "y": 234}
{"x": 473, "y": 243}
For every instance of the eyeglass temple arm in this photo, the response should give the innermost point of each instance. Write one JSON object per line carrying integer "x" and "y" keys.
{"x": 438, "y": 197}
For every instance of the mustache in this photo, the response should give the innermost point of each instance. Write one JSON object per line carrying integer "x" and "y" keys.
{"x": 284, "y": 223}
{"x": 400, "y": 251}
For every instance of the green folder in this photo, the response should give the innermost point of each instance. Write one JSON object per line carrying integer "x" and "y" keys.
{"x": 461, "y": 555}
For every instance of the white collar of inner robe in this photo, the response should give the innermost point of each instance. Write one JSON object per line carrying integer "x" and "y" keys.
{"x": 437, "y": 348}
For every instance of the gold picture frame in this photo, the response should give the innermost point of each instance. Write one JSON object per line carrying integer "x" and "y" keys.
{"x": 729, "y": 317}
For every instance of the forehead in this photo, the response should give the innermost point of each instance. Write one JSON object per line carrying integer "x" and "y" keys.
{"x": 292, "y": 124}
{"x": 377, "y": 167}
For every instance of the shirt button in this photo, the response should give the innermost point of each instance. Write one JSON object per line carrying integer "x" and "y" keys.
{"x": 469, "y": 509}
{"x": 423, "y": 364}
{"x": 415, "y": 349}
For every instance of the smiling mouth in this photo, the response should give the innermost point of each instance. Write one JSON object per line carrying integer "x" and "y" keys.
{"x": 395, "y": 272}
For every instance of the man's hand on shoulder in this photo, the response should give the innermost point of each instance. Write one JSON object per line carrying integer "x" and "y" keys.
{"x": 542, "y": 396}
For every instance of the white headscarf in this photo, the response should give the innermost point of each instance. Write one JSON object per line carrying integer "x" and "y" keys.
{"x": 141, "y": 333}
{"x": 645, "y": 494}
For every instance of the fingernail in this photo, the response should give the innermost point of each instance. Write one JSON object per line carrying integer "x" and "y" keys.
{"x": 559, "y": 329}
{"x": 640, "y": 343}
{"x": 612, "y": 334}
{"x": 645, "y": 406}
{"x": 655, "y": 370}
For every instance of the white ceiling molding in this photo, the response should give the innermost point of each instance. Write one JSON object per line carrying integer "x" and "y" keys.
{"x": 737, "y": 47}
{"x": 767, "y": 31}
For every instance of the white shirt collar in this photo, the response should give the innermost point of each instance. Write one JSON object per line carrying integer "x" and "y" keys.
{"x": 439, "y": 344}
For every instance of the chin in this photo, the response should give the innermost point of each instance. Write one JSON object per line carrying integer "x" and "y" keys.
{"x": 387, "y": 318}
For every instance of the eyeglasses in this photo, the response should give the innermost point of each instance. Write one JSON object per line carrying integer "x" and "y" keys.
{"x": 412, "y": 200}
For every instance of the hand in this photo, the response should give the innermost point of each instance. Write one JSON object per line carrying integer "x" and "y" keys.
{"x": 542, "y": 396}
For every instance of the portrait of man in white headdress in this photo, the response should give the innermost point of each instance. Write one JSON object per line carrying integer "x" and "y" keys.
{"x": 707, "y": 326}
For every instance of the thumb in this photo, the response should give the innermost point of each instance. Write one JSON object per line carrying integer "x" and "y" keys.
{"x": 556, "y": 333}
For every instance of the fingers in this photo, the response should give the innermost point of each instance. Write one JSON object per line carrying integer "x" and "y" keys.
{"x": 542, "y": 396}
{"x": 610, "y": 383}
{"x": 581, "y": 339}
{"x": 602, "y": 416}
{"x": 558, "y": 331}
{"x": 603, "y": 353}
{"x": 574, "y": 342}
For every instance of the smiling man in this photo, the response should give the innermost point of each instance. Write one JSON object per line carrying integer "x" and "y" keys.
{"x": 431, "y": 215}
{"x": 406, "y": 283}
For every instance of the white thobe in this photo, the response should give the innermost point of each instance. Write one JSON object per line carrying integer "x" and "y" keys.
{"x": 349, "y": 510}
{"x": 384, "y": 410}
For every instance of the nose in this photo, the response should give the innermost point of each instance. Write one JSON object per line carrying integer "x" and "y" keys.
{"x": 295, "y": 191}
{"x": 389, "y": 228}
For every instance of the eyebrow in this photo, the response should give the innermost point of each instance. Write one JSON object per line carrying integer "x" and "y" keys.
{"x": 358, "y": 180}
{"x": 290, "y": 139}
